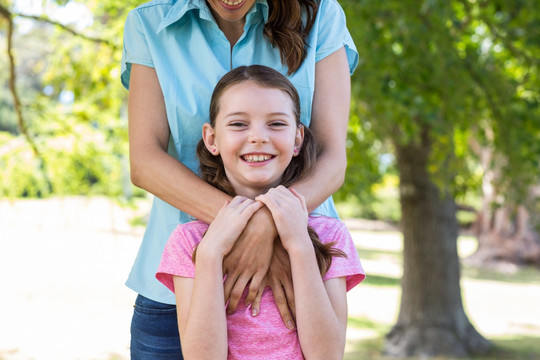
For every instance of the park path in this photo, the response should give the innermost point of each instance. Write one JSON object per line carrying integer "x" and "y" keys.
{"x": 63, "y": 263}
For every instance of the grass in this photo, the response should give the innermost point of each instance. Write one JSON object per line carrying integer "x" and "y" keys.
{"x": 503, "y": 306}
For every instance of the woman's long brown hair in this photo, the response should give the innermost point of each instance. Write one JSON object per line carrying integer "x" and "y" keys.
{"x": 287, "y": 30}
{"x": 211, "y": 166}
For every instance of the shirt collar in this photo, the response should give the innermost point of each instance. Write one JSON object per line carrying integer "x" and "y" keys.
{"x": 181, "y": 8}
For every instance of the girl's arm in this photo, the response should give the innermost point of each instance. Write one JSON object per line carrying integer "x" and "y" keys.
{"x": 319, "y": 305}
{"x": 330, "y": 116}
{"x": 202, "y": 322}
{"x": 201, "y": 313}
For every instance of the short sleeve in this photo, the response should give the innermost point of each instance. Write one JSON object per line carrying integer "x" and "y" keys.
{"x": 176, "y": 259}
{"x": 349, "y": 267}
{"x": 135, "y": 50}
{"x": 333, "y": 33}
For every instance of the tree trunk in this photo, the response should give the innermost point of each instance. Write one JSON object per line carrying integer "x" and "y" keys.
{"x": 431, "y": 319}
{"x": 505, "y": 235}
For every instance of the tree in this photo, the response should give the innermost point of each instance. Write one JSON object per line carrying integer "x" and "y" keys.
{"x": 507, "y": 227}
{"x": 67, "y": 101}
{"x": 504, "y": 226}
{"x": 430, "y": 78}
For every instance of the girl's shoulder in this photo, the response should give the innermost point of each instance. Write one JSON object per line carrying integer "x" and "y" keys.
{"x": 324, "y": 221}
{"x": 193, "y": 230}
{"x": 327, "y": 227}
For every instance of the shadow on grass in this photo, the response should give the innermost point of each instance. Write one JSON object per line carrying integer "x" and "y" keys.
{"x": 525, "y": 275}
{"x": 365, "y": 323}
{"x": 510, "y": 348}
{"x": 380, "y": 280}
{"x": 371, "y": 254}
{"x": 366, "y": 348}
{"x": 516, "y": 347}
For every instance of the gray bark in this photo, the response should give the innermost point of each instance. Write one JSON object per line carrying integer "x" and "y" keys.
{"x": 431, "y": 319}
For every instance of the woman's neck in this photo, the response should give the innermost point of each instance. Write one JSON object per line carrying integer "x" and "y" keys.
{"x": 231, "y": 29}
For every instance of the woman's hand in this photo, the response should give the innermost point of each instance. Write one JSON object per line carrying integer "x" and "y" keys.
{"x": 249, "y": 259}
{"x": 257, "y": 257}
{"x": 279, "y": 278}
{"x": 228, "y": 225}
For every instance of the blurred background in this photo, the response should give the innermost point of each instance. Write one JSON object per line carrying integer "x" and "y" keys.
{"x": 441, "y": 194}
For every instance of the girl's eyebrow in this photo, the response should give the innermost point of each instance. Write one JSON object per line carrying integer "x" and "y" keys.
{"x": 279, "y": 113}
{"x": 276, "y": 113}
{"x": 235, "y": 113}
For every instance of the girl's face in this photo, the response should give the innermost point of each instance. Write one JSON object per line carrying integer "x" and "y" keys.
{"x": 230, "y": 10}
{"x": 256, "y": 135}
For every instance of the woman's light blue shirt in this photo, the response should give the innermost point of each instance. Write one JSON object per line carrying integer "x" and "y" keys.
{"x": 182, "y": 41}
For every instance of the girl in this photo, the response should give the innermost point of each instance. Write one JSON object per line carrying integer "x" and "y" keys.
{"x": 252, "y": 149}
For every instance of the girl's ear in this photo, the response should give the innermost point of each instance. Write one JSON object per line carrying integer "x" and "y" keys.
{"x": 298, "y": 140}
{"x": 209, "y": 138}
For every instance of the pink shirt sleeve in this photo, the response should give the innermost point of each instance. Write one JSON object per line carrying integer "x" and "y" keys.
{"x": 333, "y": 230}
{"x": 177, "y": 255}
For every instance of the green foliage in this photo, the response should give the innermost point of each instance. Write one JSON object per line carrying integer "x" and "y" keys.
{"x": 21, "y": 175}
{"x": 73, "y": 106}
{"x": 459, "y": 70}
{"x": 363, "y": 151}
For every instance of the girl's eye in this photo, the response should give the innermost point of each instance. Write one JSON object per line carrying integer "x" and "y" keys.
{"x": 236, "y": 124}
{"x": 278, "y": 124}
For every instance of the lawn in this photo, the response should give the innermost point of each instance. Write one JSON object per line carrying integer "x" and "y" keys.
{"x": 503, "y": 305}
{"x": 64, "y": 269}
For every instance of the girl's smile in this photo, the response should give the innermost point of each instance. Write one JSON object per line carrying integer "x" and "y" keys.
{"x": 257, "y": 159}
{"x": 255, "y": 134}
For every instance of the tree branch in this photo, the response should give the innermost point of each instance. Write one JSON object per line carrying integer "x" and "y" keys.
{"x": 4, "y": 12}
{"x": 13, "y": 80}
{"x": 67, "y": 28}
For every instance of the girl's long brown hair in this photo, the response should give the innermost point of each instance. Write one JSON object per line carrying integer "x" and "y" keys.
{"x": 287, "y": 30}
{"x": 211, "y": 166}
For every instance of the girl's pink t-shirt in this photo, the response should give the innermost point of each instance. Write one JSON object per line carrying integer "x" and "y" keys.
{"x": 264, "y": 336}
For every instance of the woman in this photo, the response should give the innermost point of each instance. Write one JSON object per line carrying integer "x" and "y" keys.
{"x": 174, "y": 54}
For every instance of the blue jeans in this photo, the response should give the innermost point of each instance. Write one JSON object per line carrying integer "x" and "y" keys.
{"x": 154, "y": 331}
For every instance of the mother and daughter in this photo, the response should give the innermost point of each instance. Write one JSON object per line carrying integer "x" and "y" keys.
{"x": 254, "y": 148}
{"x": 174, "y": 53}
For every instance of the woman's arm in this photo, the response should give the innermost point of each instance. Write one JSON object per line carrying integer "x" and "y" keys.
{"x": 155, "y": 171}
{"x": 330, "y": 116}
{"x": 152, "y": 168}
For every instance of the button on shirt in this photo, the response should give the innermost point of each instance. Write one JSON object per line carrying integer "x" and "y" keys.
{"x": 183, "y": 43}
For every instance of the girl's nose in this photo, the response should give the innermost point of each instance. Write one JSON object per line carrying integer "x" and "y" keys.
{"x": 258, "y": 134}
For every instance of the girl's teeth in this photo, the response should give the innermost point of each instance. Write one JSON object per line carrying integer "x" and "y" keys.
{"x": 256, "y": 158}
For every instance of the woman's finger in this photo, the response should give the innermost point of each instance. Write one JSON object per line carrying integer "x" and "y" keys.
{"x": 283, "y": 306}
